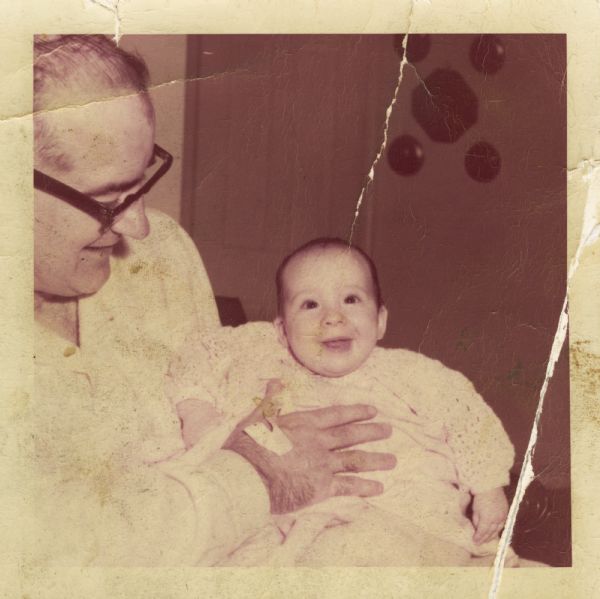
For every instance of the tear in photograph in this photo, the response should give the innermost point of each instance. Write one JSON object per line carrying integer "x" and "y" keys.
{"x": 295, "y": 298}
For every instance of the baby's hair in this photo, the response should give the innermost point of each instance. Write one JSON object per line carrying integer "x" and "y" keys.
{"x": 323, "y": 243}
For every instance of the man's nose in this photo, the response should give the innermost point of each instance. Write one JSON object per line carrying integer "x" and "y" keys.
{"x": 133, "y": 222}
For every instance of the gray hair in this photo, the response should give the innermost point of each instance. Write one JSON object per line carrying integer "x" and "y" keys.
{"x": 86, "y": 63}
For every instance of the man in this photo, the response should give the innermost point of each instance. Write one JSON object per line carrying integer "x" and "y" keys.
{"x": 116, "y": 291}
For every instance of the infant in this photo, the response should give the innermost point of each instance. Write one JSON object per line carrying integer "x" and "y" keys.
{"x": 452, "y": 450}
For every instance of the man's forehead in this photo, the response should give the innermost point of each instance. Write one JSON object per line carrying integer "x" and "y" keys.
{"x": 110, "y": 114}
{"x": 113, "y": 134}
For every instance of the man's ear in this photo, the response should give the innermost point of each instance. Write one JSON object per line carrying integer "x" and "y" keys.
{"x": 280, "y": 328}
{"x": 381, "y": 322}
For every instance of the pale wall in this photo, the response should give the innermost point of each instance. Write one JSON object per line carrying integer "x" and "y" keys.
{"x": 165, "y": 56}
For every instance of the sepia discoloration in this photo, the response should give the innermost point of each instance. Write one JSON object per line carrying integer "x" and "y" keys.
{"x": 578, "y": 581}
{"x": 585, "y": 367}
{"x": 135, "y": 268}
{"x": 20, "y": 404}
{"x": 103, "y": 477}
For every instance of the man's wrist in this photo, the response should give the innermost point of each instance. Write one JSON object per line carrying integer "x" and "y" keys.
{"x": 254, "y": 454}
{"x": 285, "y": 494}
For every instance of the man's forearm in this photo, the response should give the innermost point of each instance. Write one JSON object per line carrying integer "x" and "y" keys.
{"x": 228, "y": 496}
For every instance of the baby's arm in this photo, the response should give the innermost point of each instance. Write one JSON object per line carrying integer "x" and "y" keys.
{"x": 482, "y": 451}
{"x": 197, "y": 417}
{"x": 206, "y": 380}
{"x": 196, "y": 383}
{"x": 490, "y": 509}
{"x": 484, "y": 456}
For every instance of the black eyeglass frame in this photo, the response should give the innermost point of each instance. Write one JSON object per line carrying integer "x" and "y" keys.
{"x": 105, "y": 214}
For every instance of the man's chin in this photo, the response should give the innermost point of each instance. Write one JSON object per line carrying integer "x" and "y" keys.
{"x": 93, "y": 282}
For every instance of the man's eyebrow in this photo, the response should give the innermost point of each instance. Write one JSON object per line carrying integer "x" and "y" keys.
{"x": 114, "y": 187}
{"x": 123, "y": 185}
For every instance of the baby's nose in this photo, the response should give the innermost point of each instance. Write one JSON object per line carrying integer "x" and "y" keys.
{"x": 333, "y": 317}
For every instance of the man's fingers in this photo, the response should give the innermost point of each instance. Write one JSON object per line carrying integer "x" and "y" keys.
{"x": 348, "y": 435}
{"x": 328, "y": 417}
{"x": 362, "y": 461}
{"x": 353, "y": 485}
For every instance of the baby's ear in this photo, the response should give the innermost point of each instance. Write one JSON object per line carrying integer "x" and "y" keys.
{"x": 280, "y": 328}
{"x": 381, "y": 322}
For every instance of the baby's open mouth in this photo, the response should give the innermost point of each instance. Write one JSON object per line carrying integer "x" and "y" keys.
{"x": 340, "y": 344}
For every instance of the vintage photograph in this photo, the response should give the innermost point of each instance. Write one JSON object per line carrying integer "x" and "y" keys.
{"x": 295, "y": 297}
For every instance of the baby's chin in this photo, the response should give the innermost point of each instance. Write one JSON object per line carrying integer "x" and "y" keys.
{"x": 332, "y": 374}
{"x": 331, "y": 371}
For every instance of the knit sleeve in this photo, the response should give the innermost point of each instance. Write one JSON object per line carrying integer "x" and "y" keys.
{"x": 221, "y": 366}
{"x": 453, "y": 410}
{"x": 482, "y": 449}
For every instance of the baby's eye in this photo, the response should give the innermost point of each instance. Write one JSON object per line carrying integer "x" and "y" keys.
{"x": 351, "y": 299}
{"x": 309, "y": 305}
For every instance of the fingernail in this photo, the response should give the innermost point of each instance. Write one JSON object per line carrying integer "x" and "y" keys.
{"x": 392, "y": 461}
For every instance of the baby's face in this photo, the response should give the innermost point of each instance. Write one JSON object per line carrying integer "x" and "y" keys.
{"x": 330, "y": 319}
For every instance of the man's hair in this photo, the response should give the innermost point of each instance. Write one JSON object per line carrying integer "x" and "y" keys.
{"x": 86, "y": 63}
{"x": 323, "y": 243}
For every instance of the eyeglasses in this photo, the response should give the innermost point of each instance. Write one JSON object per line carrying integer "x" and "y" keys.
{"x": 105, "y": 214}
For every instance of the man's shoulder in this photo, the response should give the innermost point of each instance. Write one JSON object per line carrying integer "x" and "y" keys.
{"x": 163, "y": 224}
{"x": 165, "y": 234}
{"x": 163, "y": 272}
{"x": 165, "y": 253}
{"x": 252, "y": 338}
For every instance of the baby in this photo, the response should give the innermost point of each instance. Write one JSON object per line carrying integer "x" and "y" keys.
{"x": 451, "y": 448}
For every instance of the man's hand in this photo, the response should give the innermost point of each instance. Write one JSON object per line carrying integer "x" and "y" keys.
{"x": 313, "y": 470}
{"x": 490, "y": 510}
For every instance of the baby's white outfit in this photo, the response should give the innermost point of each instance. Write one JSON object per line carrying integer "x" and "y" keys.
{"x": 448, "y": 442}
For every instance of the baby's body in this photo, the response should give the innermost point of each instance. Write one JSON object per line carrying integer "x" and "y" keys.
{"x": 449, "y": 444}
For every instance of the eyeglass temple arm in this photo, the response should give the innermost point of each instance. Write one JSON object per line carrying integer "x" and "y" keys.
{"x": 77, "y": 199}
{"x": 81, "y": 201}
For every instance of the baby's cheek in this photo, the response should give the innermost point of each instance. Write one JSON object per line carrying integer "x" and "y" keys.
{"x": 306, "y": 345}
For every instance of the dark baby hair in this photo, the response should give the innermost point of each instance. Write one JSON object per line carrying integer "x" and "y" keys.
{"x": 322, "y": 243}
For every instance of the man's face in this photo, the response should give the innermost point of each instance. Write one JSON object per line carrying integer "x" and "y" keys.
{"x": 109, "y": 144}
{"x": 330, "y": 319}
